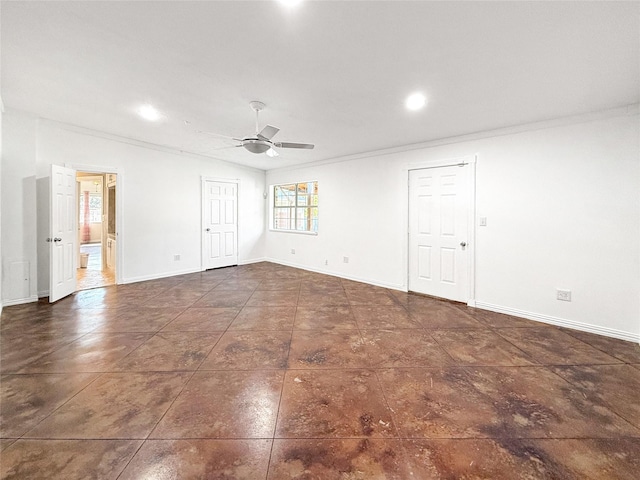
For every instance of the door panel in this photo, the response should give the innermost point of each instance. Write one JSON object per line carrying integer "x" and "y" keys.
{"x": 220, "y": 243}
{"x": 63, "y": 221}
{"x": 438, "y": 213}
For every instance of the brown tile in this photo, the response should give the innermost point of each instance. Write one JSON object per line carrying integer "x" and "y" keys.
{"x": 66, "y": 459}
{"x": 443, "y": 315}
{"x": 116, "y": 405}
{"x": 169, "y": 351}
{"x": 27, "y": 399}
{"x": 336, "y": 317}
{"x": 491, "y": 415}
{"x": 416, "y": 300}
{"x": 279, "y": 284}
{"x": 383, "y": 316}
{"x": 5, "y": 443}
{"x": 264, "y": 318}
{"x": 238, "y": 284}
{"x": 621, "y": 349}
{"x": 345, "y": 403}
{"x": 480, "y": 347}
{"x": 331, "y": 349}
{"x": 495, "y": 459}
{"x": 203, "y": 320}
{"x": 592, "y": 459}
{"x": 224, "y": 299}
{"x": 205, "y": 459}
{"x": 550, "y": 346}
{"x": 616, "y": 386}
{"x": 140, "y": 319}
{"x": 474, "y": 458}
{"x": 321, "y": 299}
{"x": 76, "y": 321}
{"x": 329, "y": 459}
{"x": 404, "y": 348}
{"x": 273, "y": 298}
{"x": 369, "y": 296}
{"x": 499, "y": 320}
{"x": 437, "y": 403}
{"x": 94, "y": 352}
{"x": 224, "y": 404}
{"x": 175, "y": 299}
{"x": 497, "y": 402}
{"x": 190, "y": 289}
{"x": 328, "y": 287}
{"x": 19, "y": 351}
{"x": 249, "y": 350}
{"x": 525, "y": 410}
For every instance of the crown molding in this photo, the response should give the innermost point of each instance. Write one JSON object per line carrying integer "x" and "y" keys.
{"x": 627, "y": 110}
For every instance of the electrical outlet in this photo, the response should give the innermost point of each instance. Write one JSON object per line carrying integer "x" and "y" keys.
{"x": 293, "y": 251}
{"x": 176, "y": 257}
{"x": 345, "y": 259}
{"x": 564, "y": 295}
{"x": 326, "y": 262}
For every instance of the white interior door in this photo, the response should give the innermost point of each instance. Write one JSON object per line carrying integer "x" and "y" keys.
{"x": 64, "y": 235}
{"x": 438, "y": 232}
{"x": 220, "y": 224}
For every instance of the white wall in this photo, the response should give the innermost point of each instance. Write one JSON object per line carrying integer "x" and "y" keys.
{"x": 563, "y": 210}
{"x": 159, "y": 190}
{"x": 19, "y": 279}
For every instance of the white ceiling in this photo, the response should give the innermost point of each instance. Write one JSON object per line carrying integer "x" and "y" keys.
{"x": 333, "y": 73}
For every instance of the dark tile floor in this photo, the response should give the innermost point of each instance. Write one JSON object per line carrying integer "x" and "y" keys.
{"x": 268, "y": 372}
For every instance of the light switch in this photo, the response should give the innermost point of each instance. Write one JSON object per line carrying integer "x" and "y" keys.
{"x": 483, "y": 221}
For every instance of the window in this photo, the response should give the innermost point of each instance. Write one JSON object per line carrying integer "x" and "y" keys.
{"x": 295, "y": 207}
{"x": 95, "y": 208}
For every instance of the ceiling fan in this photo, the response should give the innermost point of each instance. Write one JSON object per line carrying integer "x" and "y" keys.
{"x": 261, "y": 141}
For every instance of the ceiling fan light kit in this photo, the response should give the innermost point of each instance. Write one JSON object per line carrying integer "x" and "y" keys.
{"x": 261, "y": 141}
{"x": 255, "y": 145}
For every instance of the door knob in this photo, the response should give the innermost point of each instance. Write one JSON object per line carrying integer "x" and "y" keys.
{"x": 463, "y": 244}
{"x": 49, "y": 239}
{"x": 57, "y": 239}
{"x": 208, "y": 229}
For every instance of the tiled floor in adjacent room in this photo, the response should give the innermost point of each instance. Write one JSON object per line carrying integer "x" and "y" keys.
{"x": 268, "y": 372}
{"x": 93, "y": 275}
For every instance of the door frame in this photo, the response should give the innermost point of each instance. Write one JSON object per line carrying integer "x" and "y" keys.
{"x": 97, "y": 169}
{"x": 203, "y": 181}
{"x": 469, "y": 160}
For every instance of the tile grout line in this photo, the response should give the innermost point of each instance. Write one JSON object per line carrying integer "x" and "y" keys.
{"x": 284, "y": 378}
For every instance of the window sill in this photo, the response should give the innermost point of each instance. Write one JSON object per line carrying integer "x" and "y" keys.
{"x": 298, "y": 232}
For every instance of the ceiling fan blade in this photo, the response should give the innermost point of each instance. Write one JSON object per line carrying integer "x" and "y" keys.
{"x": 217, "y": 135}
{"x": 225, "y": 148}
{"x": 268, "y": 132}
{"x": 272, "y": 153}
{"x": 294, "y": 145}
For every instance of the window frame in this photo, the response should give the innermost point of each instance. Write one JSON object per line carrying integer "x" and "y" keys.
{"x": 295, "y": 207}
{"x": 81, "y": 204}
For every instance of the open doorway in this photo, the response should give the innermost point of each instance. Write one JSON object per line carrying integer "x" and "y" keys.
{"x": 96, "y": 229}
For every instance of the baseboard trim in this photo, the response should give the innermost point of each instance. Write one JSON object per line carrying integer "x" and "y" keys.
{"x": 561, "y": 322}
{"x": 144, "y": 278}
{"x": 252, "y": 260}
{"x": 20, "y": 301}
{"x": 391, "y": 286}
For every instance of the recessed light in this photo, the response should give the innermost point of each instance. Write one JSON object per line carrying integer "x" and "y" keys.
{"x": 415, "y": 101}
{"x": 149, "y": 112}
